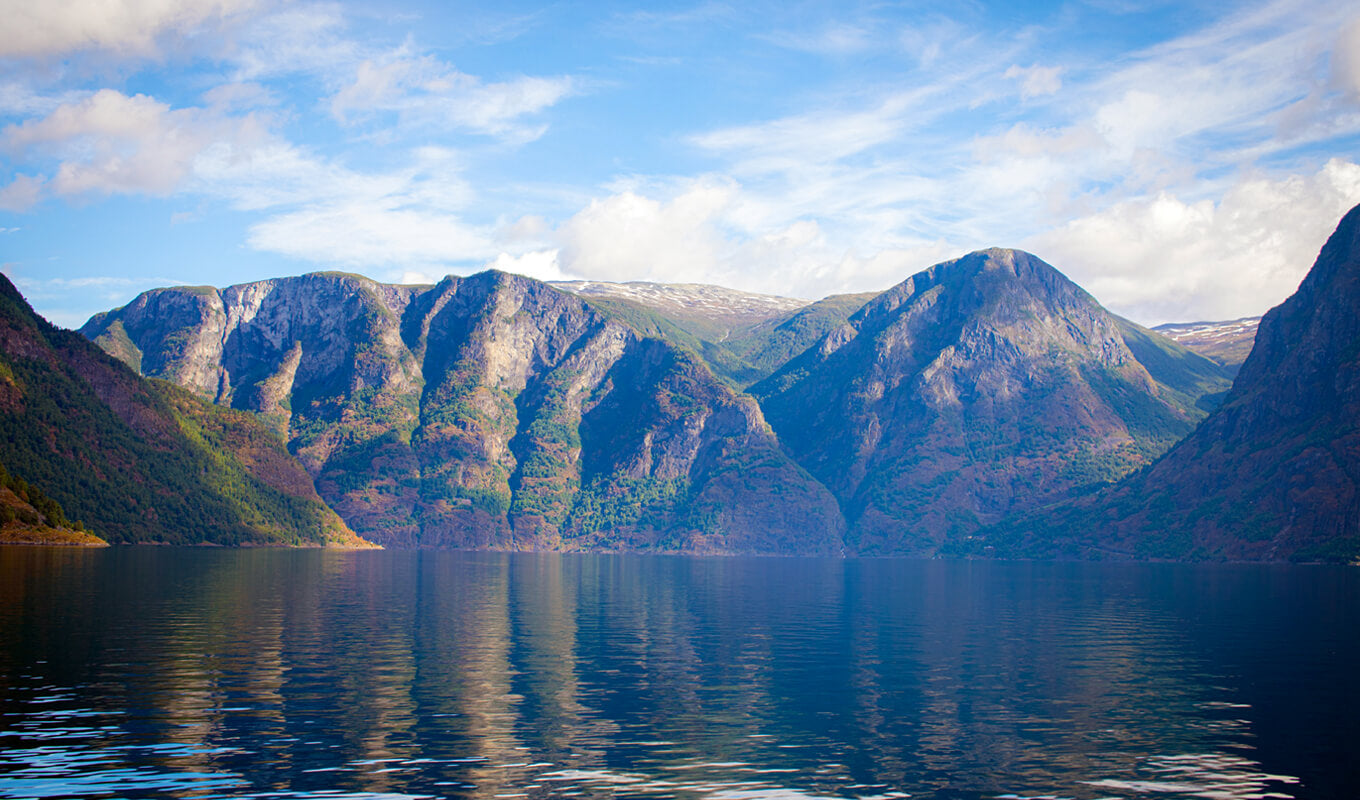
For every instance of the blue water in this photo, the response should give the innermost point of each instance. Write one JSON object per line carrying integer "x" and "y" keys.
{"x": 160, "y": 672}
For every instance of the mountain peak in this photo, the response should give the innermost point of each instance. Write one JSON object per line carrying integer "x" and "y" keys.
{"x": 978, "y": 387}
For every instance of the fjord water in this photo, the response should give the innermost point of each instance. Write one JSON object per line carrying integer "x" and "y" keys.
{"x": 162, "y": 672}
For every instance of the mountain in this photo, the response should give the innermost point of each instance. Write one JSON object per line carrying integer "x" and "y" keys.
{"x": 741, "y": 336}
{"x": 1228, "y": 342}
{"x": 975, "y": 389}
{"x": 140, "y": 460}
{"x": 492, "y": 411}
{"x": 1272, "y": 474}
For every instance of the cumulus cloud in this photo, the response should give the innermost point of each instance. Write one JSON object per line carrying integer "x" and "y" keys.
{"x": 426, "y": 91}
{"x": 110, "y": 143}
{"x": 713, "y": 230}
{"x": 628, "y": 236}
{"x": 125, "y": 27}
{"x": 540, "y": 264}
{"x": 1166, "y": 258}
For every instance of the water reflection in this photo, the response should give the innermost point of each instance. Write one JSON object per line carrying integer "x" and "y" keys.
{"x": 188, "y": 673}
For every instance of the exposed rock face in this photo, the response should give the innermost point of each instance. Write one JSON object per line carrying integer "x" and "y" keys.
{"x": 978, "y": 388}
{"x": 1273, "y": 473}
{"x": 141, "y": 460}
{"x": 491, "y": 411}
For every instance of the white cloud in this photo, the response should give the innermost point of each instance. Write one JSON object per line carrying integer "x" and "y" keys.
{"x": 697, "y": 233}
{"x": 817, "y": 137}
{"x": 425, "y": 91}
{"x": 299, "y": 39}
{"x": 833, "y": 39}
{"x": 1167, "y": 259}
{"x": 372, "y": 234}
{"x": 540, "y": 264}
{"x": 22, "y": 193}
{"x": 125, "y": 27}
{"x": 1035, "y": 81}
{"x": 96, "y": 292}
{"x": 1345, "y": 62}
{"x": 111, "y": 143}
{"x": 628, "y": 236}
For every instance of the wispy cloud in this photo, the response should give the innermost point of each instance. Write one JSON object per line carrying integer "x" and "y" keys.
{"x": 1187, "y": 129}
{"x": 1035, "y": 81}
{"x": 425, "y": 92}
{"x": 95, "y": 291}
{"x": 835, "y": 38}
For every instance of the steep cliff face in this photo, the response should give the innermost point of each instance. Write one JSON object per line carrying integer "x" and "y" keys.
{"x": 975, "y": 389}
{"x": 1272, "y": 474}
{"x": 490, "y": 411}
{"x": 141, "y": 460}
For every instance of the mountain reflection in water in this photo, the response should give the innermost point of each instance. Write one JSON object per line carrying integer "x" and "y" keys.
{"x": 141, "y": 672}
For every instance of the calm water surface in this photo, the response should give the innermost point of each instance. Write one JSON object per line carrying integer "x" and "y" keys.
{"x": 157, "y": 672}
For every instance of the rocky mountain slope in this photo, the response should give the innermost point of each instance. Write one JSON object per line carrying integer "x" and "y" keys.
{"x": 488, "y": 411}
{"x": 742, "y": 337}
{"x": 1227, "y": 342}
{"x": 1272, "y": 474}
{"x": 975, "y": 389}
{"x": 140, "y": 460}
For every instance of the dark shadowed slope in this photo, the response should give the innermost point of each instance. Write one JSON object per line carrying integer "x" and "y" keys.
{"x": 1272, "y": 474}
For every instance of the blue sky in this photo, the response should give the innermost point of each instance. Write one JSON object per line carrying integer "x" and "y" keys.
{"x": 1179, "y": 160}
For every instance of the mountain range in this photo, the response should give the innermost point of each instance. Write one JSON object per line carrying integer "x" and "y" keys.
{"x": 488, "y": 411}
{"x": 985, "y": 406}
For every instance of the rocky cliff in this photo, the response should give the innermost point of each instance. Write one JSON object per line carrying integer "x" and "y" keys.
{"x": 140, "y": 460}
{"x": 488, "y": 411}
{"x": 975, "y": 389}
{"x": 1272, "y": 474}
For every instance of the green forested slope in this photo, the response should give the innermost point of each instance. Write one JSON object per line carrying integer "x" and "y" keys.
{"x": 139, "y": 460}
